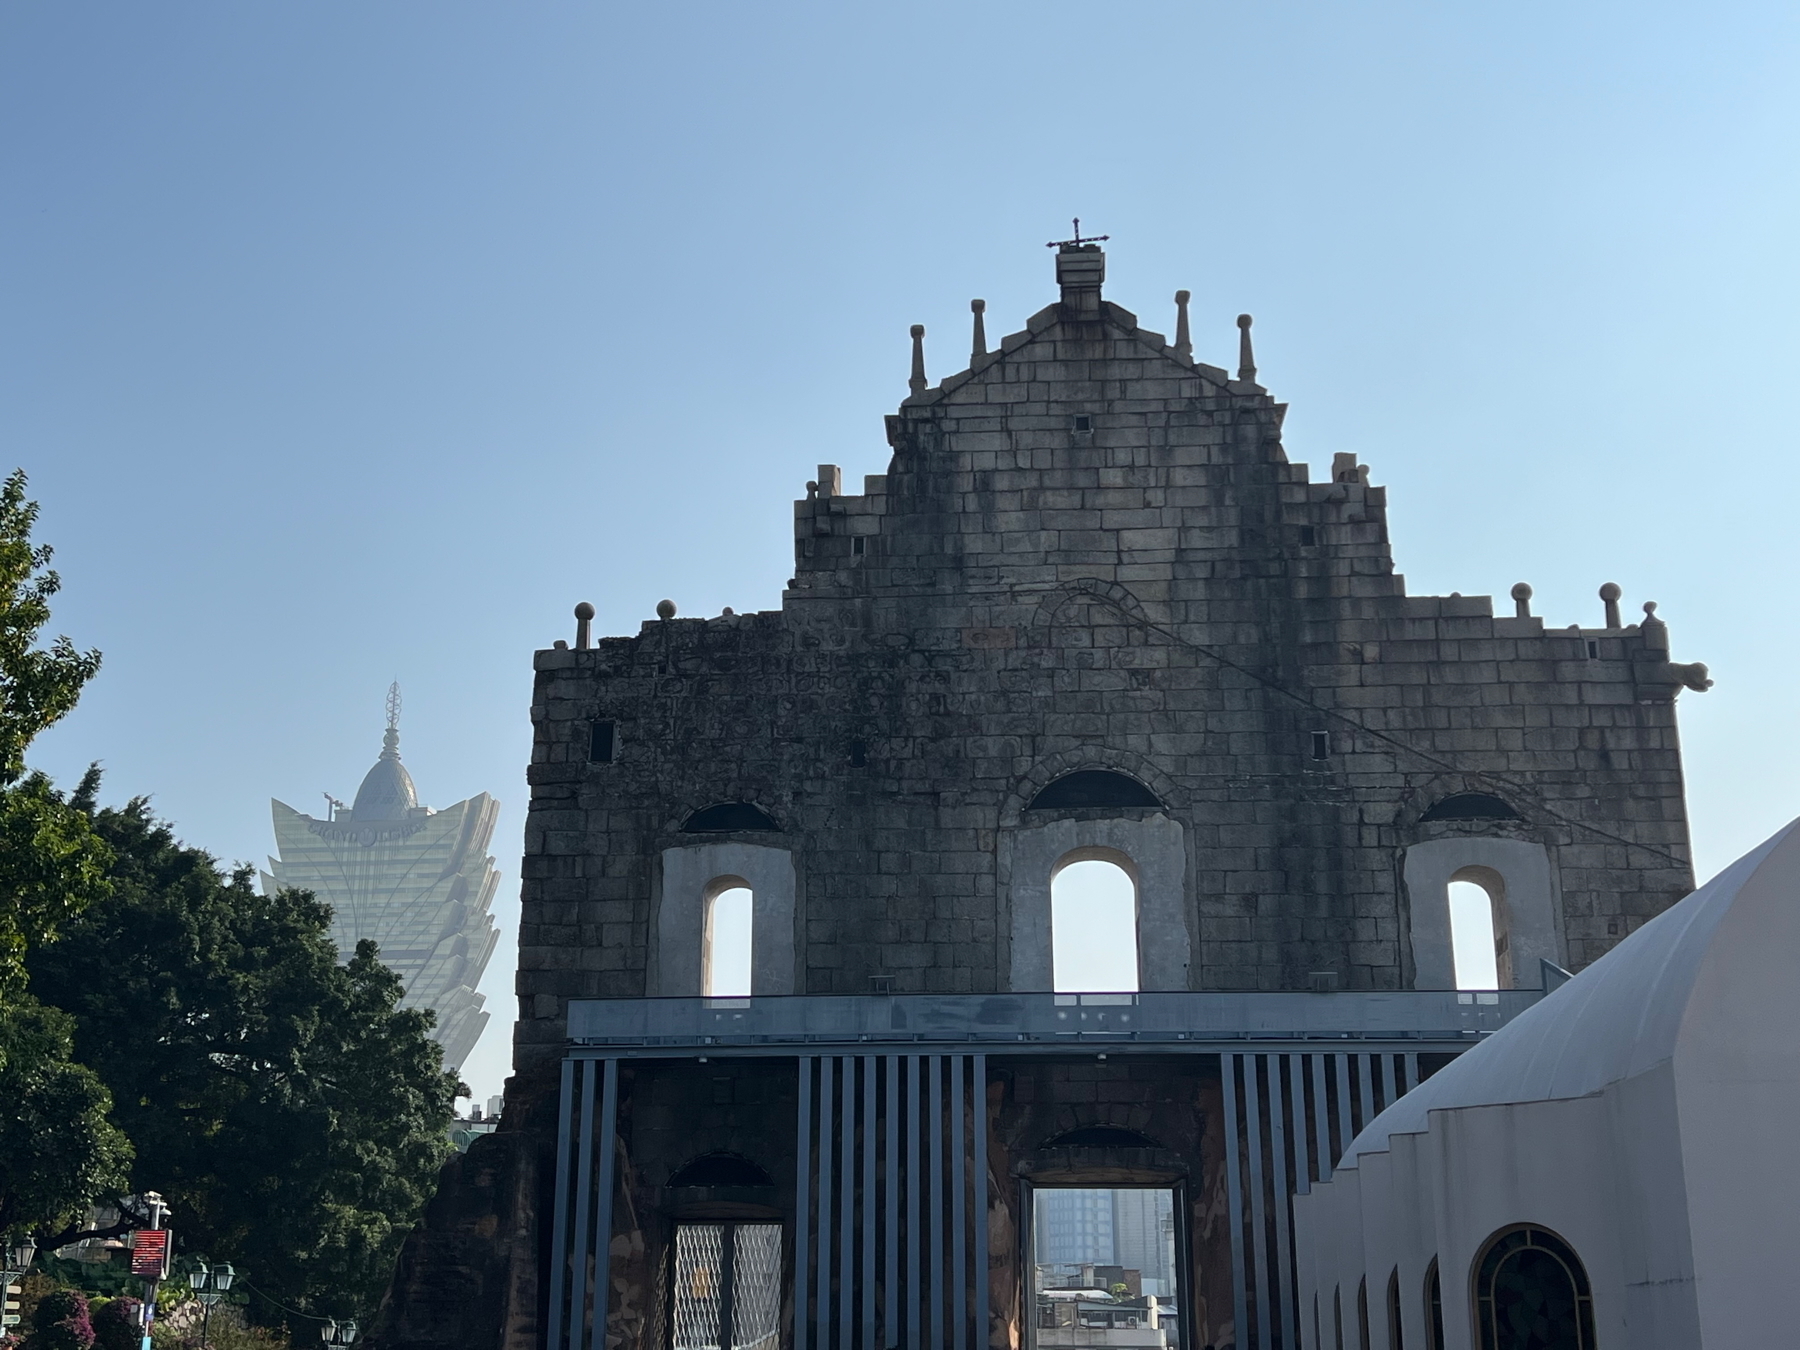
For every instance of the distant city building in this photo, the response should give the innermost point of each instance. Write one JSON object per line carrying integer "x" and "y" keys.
{"x": 1074, "y": 1227}
{"x": 416, "y": 881}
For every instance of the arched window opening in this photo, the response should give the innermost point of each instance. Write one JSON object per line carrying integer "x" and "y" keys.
{"x": 1434, "y": 1308}
{"x": 1531, "y": 1293}
{"x": 1478, "y": 931}
{"x": 1337, "y": 1317}
{"x": 1362, "y": 1314}
{"x": 725, "y": 953}
{"x": 1093, "y": 928}
{"x": 1093, "y": 787}
{"x": 720, "y": 1169}
{"x": 726, "y": 817}
{"x": 1101, "y": 1136}
{"x": 1470, "y": 806}
{"x": 1396, "y": 1340}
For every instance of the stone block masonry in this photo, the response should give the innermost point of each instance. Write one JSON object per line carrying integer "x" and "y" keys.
{"x": 1092, "y": 552}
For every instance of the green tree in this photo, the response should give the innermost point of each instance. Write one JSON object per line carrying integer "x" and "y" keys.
{"x": 59, "y": 1148}
{"x": 50, "y": 863}
{"x": 291, "y": 1111}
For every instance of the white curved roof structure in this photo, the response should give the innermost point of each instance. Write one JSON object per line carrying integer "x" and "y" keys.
{"x": 1621, "y": 1016}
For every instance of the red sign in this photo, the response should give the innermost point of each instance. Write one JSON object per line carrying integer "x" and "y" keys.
{"x": 150, "y": 1252}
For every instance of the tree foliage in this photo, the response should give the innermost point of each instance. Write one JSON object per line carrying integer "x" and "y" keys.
{"x": 60, "y": 1322}
{"x": 290, "y": 1110}
{"x": 59, "y": 1149}
{"x": 50, "y": 864}
{"x": 38, "y": 685}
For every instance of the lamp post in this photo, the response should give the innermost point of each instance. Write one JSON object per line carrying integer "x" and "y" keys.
{"x": 338, "y": 1333}
{"x": 19, "y": 1256}
{"x": 210, "y": 1285}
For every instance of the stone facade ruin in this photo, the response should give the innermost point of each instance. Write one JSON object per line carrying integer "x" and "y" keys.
{"x": 1091, "y": 610}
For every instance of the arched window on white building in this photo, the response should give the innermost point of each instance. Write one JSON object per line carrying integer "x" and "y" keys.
{"x": 1093, "y": 924}
{"x": 725, "y": 951}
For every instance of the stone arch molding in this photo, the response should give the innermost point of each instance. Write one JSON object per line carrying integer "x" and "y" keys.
{"x": 1051, "y": 608}
{"x": 687, "y": 883}
{"x": 1052, "y": 767}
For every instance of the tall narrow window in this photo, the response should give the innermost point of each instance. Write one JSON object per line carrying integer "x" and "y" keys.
{"x": 1396, "y": 1339}
{"x": 1531, "y": 1293}
{"x": 1472, "y": 936}
{"x": 725, "y": 957}
{"x": 1093, "y": 928}
{"x": 1434, "y": 1308}
{"x": 1478, "y": 929}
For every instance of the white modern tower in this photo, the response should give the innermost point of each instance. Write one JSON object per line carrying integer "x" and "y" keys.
{"x": 416, "y": 881}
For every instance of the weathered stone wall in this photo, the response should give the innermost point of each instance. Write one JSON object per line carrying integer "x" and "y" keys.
{"x": 1091, "y": 552}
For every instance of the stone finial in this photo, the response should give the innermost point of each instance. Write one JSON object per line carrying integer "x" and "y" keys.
{"x": 584, "y": 625}
{"x": 978, "y": 342}
{"x": 1521, "y": 594}
{"x": 1609, "y": 595}
{"x": 1184, "y": 346}
{"x": 665, "y": 609}
{"x": 1655, "y": 631}
{"x": 1246, "y": 358}
{"x": 917, "y": 382}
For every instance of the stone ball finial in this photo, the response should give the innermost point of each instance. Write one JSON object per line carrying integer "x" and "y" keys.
{"x": 1521, "y": 590}
{"x": 1609, "y": 596}
{"x": 665, "y": 609}
{"x": 918, "y": 330}
{"x": 1182, "y": 297}
{"x": 584, "y": 618}
{"x": 1521, "y": 594}
{"x": 584, "y": 611}
{"x": 1244, "y": 321}
{"x": 1650, "y": 609}
{"x": 977, "y": 306}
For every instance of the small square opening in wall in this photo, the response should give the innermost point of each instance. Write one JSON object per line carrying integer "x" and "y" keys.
{"x": 600, "y": 743}
{"x": 1083, "y": 422}
{"x": 859, "y": 754}
{"x": 1321, "y": 745}
{"x": 1593, "y": 651}
{"x": 857, "y": 544}
{"x": 1309, "y": 536}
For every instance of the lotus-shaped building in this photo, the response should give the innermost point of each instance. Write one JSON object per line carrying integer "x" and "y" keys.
{"x": 418, "y": 882}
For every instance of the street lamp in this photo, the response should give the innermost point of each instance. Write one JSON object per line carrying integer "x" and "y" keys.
{"x": 19, "y": 1256}
{"x": 338, "y": 1333}
{"x": 210, "y": 1285}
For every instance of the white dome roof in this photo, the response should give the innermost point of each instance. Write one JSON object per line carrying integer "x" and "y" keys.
{"x": 1618, "y": 1018}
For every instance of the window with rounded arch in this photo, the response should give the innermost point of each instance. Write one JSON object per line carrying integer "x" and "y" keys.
{"x": 1434, "y": 1308}
{"x": 725, "y": 950}
{"x": 1478, "y": 929}
{"x": 1396, "y": 1339}
{"x": 1532, "y": 1293}
{"x": 1094, "y": 923}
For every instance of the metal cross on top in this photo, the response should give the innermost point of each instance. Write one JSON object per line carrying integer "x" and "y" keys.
{"x": 1078, "y": 241}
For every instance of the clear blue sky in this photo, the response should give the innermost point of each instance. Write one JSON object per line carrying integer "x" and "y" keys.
{"x": 347, "y": 343}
